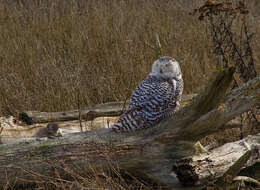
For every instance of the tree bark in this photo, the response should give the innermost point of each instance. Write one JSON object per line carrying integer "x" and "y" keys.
{"x": 206, "y": 167}
{"x": 88, "y": 114}
{"x": 150, "y": 152}
{"x": 108, "y": 109}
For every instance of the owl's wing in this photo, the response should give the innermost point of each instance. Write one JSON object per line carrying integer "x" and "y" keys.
{"x": 154, "y": 97}
{"x": 152, "y": 100}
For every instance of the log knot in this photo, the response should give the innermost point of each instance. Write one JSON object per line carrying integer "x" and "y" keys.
{"x": 185, "y": 171}
{"x": 25, "y": 118}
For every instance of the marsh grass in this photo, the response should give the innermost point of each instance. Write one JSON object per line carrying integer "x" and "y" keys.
{"x": 54, "y": 52}
{"x": 85, "y": 176}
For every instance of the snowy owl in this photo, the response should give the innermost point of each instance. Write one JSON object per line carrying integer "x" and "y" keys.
{"x": 156, "y": 98}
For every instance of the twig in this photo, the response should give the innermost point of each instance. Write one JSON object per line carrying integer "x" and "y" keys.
{"x": 79, "y": 110}
{"x": 247, "y": 179}
{"x": 130, "y": 83}
{"x": 157, "y": 45}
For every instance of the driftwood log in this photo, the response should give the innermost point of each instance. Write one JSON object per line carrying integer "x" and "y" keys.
{"x": 109, "y": 109}
{"x": 14, "y": 130}
{"x": 150, "y": 152}
{"x": 202, "y": 168}
{"x": 101, "y": 110}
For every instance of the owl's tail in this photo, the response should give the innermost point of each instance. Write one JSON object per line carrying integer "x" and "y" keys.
{"x": 129, "y": 121}
{"x": 119, "y": 127}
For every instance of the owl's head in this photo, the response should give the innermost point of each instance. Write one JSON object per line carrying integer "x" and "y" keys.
{"x": 166, "y": 67}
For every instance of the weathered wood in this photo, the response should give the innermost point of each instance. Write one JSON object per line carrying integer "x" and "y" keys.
{"x": 239, "y": 101}
{"x": 247, "y": 179}
{"x": 101, "y": 110}
{"x": 151, "y": 152}
{"x": 224, "y": 162}
{"x": 14, "y": 130}
{"x": 234, "y": 169}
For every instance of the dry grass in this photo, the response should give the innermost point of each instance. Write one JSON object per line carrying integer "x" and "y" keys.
{"x": 52, "y": 51}
{"x": 85, "y": 176}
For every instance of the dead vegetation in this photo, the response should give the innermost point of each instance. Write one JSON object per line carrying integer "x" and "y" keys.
{"x": 56, "y": 54}
{"x": 54, "y": 51}
{"x": 232, "y": 37}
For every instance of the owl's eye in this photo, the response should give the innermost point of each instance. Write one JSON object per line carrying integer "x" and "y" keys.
{"x": 161, "y": 59}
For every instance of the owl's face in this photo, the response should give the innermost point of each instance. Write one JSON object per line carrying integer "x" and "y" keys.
{"x": 166, "y": 67}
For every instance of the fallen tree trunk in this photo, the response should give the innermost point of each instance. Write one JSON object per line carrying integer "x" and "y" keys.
{"x": 239, "y": 101}
{"x": 108, "y": 109}
{"x": 88, "y": 114}
{"x": 14, "y": 131}
{"x": 150, "y": 152}
{"x": 205, "y": 167}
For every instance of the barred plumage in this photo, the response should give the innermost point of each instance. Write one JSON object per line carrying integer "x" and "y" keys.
{"x": 157, "y": 97}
